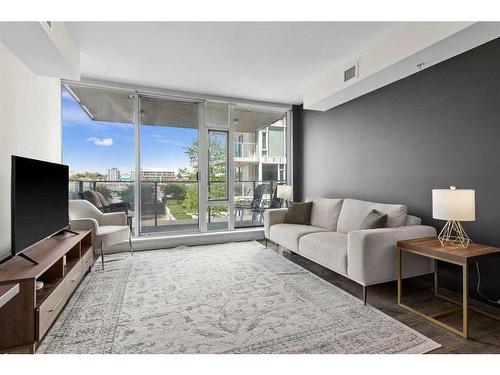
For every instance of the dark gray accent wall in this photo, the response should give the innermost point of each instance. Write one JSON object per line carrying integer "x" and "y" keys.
{"x": 436, "y": 128}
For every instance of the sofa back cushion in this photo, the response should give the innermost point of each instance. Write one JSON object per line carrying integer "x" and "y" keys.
{"x": 354, "y": 211}
{"x": 325, "y": 213}
{"x": 412, "y": 220}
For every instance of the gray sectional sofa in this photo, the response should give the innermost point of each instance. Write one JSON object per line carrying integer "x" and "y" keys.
{"x": 335, "y": 241}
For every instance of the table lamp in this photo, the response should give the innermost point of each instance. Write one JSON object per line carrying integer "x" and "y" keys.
{"x": 453, "y": 205}
{"x": 285, "y": 192}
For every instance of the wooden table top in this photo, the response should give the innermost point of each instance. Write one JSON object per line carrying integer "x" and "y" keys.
{"x": 431, "y": 247}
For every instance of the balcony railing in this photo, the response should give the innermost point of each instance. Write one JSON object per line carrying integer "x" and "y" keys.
{"x": 166, "y": 206}
{"x": 243, "y": 150}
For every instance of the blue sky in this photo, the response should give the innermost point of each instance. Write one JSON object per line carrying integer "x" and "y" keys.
{"x": 95, "y": 146}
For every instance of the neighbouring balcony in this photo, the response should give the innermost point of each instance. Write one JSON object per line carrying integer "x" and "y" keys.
{"x": 174, "y": 206}
{"x": 249, "y": 152}
{"x": 246, "y": 152}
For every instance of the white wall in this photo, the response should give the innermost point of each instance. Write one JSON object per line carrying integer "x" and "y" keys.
{"x": 396, "y": 56}
{"x": 30, "y": 109}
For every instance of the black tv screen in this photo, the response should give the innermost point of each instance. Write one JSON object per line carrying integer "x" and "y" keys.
{"x": 39, "y": 201}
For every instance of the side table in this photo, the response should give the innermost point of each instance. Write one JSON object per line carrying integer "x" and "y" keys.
{"x": 430, "y": 247}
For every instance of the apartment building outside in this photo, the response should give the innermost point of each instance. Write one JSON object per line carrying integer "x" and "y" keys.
{"x": 156, "y": 174}
{"x": 261, "y": 156}
{"x": 113, "y": 174}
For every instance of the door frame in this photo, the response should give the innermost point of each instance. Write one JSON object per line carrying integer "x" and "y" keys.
{"x": 137, "y": 180}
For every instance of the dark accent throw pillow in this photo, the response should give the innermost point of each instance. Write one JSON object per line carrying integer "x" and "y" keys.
{"x": 375, "y": 219}
{"x": 299, "y": 213}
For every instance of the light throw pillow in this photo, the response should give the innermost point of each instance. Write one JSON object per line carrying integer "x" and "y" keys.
{"x": 299, "y": 213}
{"x": 374, "y": 220}
{"x": 325, "y": 212}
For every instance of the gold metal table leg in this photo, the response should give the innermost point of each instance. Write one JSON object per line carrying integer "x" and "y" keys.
{"x": 400, "y": 284}
{"x": 435, "y": 277}
{"x": 465, "y": 303}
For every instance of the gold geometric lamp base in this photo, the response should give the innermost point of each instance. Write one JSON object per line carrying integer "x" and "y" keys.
{"x": 454, "y": 205}
{"x": 453, "y": 235}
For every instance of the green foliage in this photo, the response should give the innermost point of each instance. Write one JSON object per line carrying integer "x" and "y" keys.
{"x": 173, "y": 191}
{"x": 147, "y": 193}
{"x": 179, "y": 211}
{"x": 217, "y": 161}
{"x": 87, "y": 176}
{"x": 191, "y": 200}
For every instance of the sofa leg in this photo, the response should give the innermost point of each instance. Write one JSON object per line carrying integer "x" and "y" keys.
{"x": 364, "y": 294}
{"x": 102, "y": 255}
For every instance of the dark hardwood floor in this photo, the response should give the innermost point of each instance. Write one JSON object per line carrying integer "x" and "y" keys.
{"x": 484, "y": 332}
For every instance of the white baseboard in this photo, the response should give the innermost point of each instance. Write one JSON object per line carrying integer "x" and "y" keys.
{"x": 164, "y": 242}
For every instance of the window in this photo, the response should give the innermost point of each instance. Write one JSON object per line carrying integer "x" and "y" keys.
{"x": 98, "y": 145}
{"x": 217, "y": 165}
{"x": 167, "y": 163}
{"x": 260, "y": 165}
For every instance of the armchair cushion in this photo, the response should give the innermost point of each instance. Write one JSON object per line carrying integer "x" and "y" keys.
{"x": 112, "y": 234}
{"x": 113, "y": 218}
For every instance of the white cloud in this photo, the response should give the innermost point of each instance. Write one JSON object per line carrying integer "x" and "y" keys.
{"x": 100, "y": 141}
{"x": 161, "y": 139}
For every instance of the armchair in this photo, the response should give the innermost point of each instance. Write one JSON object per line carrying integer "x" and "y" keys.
{"x": 107, "y": 228}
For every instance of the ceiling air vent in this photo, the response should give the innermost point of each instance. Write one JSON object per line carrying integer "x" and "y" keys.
{"x": 351, "y": 72}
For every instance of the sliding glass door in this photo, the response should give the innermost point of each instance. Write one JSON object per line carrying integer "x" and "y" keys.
{"x": 168, "y": 165}
{"x": 173, "y": 165}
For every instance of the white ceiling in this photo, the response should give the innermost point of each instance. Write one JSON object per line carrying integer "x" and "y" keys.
{"x": 260, "y": 61}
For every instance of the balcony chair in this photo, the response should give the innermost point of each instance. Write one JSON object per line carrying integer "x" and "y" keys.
{"x": 266, "y": 204}
{"x": 256, "y": 206}
{"x": 107, "y": 228}
{"x": 98, "y": 200}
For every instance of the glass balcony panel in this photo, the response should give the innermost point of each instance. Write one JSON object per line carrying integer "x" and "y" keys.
{"x": 217, "y": 217}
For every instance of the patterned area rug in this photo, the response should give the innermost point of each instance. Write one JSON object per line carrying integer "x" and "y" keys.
{"x": 230, "y": 298}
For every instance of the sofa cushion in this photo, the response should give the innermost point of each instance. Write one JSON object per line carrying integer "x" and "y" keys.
{"x": 288, "y": 235}
{"x": 354, "y": 211}
{"x": 326, "y": 248}
{"x": 325, "y": 212}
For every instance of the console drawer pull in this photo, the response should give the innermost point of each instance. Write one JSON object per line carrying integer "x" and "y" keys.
{"x": 57, "y": 304}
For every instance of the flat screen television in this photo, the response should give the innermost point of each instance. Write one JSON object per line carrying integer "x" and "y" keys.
{"x": 39, "y": 201}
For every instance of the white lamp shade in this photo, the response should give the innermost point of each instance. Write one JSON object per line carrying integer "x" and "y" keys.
{"x": 454, "y": 204}
{"x": 285, "y": 192}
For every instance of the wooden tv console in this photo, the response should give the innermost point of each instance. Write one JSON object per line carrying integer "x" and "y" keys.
{"x": 64, "y": 259}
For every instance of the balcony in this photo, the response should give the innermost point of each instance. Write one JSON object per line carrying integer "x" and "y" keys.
{"x": 246, "y": 152}
{"x": 174, "y": 206}
{"x": 249, "y": 153}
